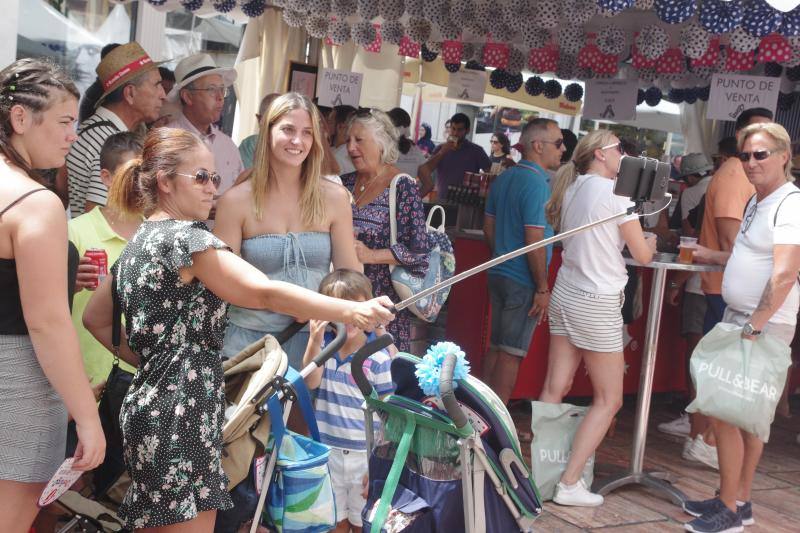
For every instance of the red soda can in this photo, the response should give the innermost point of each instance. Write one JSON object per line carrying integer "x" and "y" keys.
{"x": 100, "y": 260}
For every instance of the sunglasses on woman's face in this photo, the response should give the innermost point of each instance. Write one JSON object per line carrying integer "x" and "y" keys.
{"x": 618, "y": 146}
{"x": 759, "y": 155}
{"x": 202, "y": 177}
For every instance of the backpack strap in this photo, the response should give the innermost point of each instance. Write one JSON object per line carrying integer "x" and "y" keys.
{"x": 393, "y": 210}
{"x": 775, "y": 218}
{"x": 116, "y": 323}
{"x": 744, "y": 211}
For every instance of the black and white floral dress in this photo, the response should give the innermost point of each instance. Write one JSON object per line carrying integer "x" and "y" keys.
{"x": 173, "y": 414}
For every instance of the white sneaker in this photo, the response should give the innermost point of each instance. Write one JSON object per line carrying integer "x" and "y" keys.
{"x": 680, "y": 427}
{"x": 687, "y": 443}
{"x": 576, "y": 495}
{"x": 706, "y": 454}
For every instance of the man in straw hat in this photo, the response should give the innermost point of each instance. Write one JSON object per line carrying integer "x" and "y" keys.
{"x": 200, "y": 88}
{"x": 132, "y": 95}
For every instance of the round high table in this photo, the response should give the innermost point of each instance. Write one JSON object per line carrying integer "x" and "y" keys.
{"x": 636, "y": 476}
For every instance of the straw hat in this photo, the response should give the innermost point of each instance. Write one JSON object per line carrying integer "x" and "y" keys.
{"x": 121, "y": 65}
{"x": 194, "y": 67}
{"x": 694, "y": 164}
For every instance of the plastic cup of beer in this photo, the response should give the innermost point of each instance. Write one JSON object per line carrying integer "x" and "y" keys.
{"x": 687, "y": 247}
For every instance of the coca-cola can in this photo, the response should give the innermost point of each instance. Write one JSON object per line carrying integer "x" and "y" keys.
{"x": 99, "y": 259}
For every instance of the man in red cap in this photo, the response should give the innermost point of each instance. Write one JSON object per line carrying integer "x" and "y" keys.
{"x": 132, "y": 95}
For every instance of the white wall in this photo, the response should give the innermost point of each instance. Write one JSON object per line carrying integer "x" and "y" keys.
{"x": 9, "y": 23}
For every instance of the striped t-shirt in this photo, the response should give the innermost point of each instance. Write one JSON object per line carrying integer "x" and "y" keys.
{"x": 339, "y": 414}
{"x": 83, "y": 160}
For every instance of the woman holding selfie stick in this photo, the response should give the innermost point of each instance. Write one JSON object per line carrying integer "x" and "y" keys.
{"x": 586, "y": 303}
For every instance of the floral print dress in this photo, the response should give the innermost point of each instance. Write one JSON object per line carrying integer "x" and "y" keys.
{"x": 371, "y": 225}
{"x": 173, "y": 413}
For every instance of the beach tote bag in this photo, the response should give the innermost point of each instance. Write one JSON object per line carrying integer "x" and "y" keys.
{"x": 737, "y": 380}
{"x": 441, "y": 262}
{"x": 554, "y": 426}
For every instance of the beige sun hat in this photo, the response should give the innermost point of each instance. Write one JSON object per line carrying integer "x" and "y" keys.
{"x": 121, "y": 65}
{"x": 194, "y": 67}
{"x": 695, "y": 164}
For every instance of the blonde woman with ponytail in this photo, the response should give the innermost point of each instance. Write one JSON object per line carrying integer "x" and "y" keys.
{"x": 586, "y": 304}
{"x": 286, "y": 221}
{"x": 173, "y": 281}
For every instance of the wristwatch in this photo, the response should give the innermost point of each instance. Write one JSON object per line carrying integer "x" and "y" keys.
{"x": 750, "y": 331}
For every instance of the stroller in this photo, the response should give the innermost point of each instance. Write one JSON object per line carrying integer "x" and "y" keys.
{"x": 259, "y": 382}
{"x": 452, "y": 463}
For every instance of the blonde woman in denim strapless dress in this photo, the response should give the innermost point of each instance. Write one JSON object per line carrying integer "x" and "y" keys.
{"x": 285, "y": 220}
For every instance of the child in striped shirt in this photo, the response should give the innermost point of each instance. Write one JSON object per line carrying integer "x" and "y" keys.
{"x": 339, "y": 414}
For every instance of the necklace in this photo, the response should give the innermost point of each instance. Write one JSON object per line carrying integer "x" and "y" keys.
{"x": 366, "y": 186}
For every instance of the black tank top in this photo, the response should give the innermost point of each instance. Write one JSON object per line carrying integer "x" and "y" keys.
{"x": 12, "y": 322}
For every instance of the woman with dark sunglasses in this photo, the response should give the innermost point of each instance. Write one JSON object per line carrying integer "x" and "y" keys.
{"x": 759, "y": 286}
{"x": 500, "y": 147}
{"x": 173, "y": 281}
{"x": 586, "y": 303}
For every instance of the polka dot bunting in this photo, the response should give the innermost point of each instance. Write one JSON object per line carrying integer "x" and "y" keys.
{"x": 739, "y": 61}
{"x": 514, "y": 82}
{"x": 571, "y": 38}
{"x": 495, "y": 55}
{"x": 452, "y": 67}
{"x": 253, "y": 8}
{"x": 543, "y": 59}
{"x": 534, "y": 37}
{"x": 392, "y": 31}
{"x": 391, "y": 9}
{"x": 720, "y": 16}
{"x": 363, "y": 33}
{"x": 639, "y": 96}
{"x": 516, "y": 61}
{"x": 612, "y": 40}
{"x": 580, "y": 11}
{"x": 639, "y": 61}
{"x": 452, "y": 51}
{"x": 710, "y": 57}
{"x": 791, "y": 23}
{"x": 498, "y": 78}
{"x": 339, "y": 32}
{"x": 573, "y": 92}
{"x": 552, "y": 89}
{"x": 761, "y": 18}
{"x": 674, "y": 11}
{"x": 428, "y": 55}
{"x": 694, "y": 41}
{"x": 408, "y": 47}
{"x": 317, "y": 26}
{"x": 773, "y": 70}
{"x": 566, "y": 66}
{"x": 418, "y": 29}
{"x": 548, "y": 14}
{"x": 534, "y": 86}
{"x": 644, "y": 5}
{"x": 652, "y": 41}
{"x": 774, "y": 47}
{"x": 741, "y": 41}
{"x": 615, "y": 6}
{"x": 591, "y": 57}
{"x": 704, "y": 92}
{"x": 672, "y": 62}
{"x": 652, "y": 96}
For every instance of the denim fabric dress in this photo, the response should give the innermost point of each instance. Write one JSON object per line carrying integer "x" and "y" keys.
{"x": 299, "y": 258}
{"x": 371, "y": 224}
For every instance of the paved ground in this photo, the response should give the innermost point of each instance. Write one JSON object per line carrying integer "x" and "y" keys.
{"x": 776, "y": 499}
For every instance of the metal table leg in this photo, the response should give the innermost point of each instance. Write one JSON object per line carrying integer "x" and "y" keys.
{"x": 636, "y": 475}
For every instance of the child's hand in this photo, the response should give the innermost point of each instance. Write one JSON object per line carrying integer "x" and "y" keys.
{"x": 364, "y": 486}
{"x": 317, "y": 330}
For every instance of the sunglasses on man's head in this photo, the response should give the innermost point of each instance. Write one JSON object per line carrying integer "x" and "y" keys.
{"x": 759, "y": 155}
{"x": 202, "y": 176}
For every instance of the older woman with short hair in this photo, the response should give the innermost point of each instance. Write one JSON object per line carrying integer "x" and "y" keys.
{"x": 372, "y": 146}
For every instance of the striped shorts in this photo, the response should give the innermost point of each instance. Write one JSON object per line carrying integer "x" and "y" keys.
{"x": 589, "y": 321}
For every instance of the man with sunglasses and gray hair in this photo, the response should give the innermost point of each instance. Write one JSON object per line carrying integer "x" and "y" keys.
{"x": 760, "y": 288}
{"x": 200, "y": 88}
{"x": 514, "y": 218}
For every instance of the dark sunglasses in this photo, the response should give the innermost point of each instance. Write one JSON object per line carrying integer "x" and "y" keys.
{"x": 202, "y": 176}
{"x": 557, "y": 143}
{"x": 760, "y": 155}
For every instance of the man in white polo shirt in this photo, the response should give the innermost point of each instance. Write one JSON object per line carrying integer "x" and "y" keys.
{"x": 132, "y": 95}
{"x": 200, "y": 88}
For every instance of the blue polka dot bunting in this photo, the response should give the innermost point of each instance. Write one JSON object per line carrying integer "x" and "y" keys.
{"x": 690, "y": 95}
{"x": 640, "y": 96}
{"x": 428, "y": 55}
{"x": 791, "y": 23}
{"x": 474, "y": 65}
{"x": 192, "y": 5}
{"x": 704, "y": 92}
{"x": 552, "y": 89}
{"x": 573, "y": 92}
{"x": 156, "y": 2}
{"x": 675, "y": 11}
{"x": 514, "y": 82}
{"x": 652, "y": 96}
{"x": 718, "y": 16}
{"x": 773, "y": 70}
{"x": 452, "y": 67}
{"x": 615, "y": 6}
{"x": 761, "y": 19}
{"x": 676, "y": 96}
{"x": 534, "y": 86}
{"x": 224, "y": 6}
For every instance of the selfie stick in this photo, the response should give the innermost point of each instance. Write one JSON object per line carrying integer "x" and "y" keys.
{"x": 637, "y": 208}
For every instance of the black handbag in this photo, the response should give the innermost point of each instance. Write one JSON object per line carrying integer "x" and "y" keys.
{"x": 110, "y": 406}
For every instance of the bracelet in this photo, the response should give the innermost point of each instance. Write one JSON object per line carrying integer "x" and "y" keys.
{"x": 545, "y": 291}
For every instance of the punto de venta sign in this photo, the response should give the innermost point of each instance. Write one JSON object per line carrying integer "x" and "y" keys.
{"x": 731, "y": 94}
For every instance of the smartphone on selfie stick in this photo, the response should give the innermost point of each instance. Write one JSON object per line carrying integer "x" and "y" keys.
{"x": 641, "y": 179}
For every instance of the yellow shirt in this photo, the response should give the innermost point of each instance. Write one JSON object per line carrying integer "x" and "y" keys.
{"x": 91, "y": 230}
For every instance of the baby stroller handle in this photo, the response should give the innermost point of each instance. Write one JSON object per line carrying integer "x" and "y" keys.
{"x": 357, "y": 365}
{"x": 446, "y": 392}
{"x": 328, "y": 351}
{"x": 288, "y": 333}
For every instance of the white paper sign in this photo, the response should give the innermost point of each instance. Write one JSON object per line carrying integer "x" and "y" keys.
{"x": 731, "y": 94}
{"x": 339, "y": 87}
{"x": 467, "y": 85}
{"x": 610, "y": 99}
